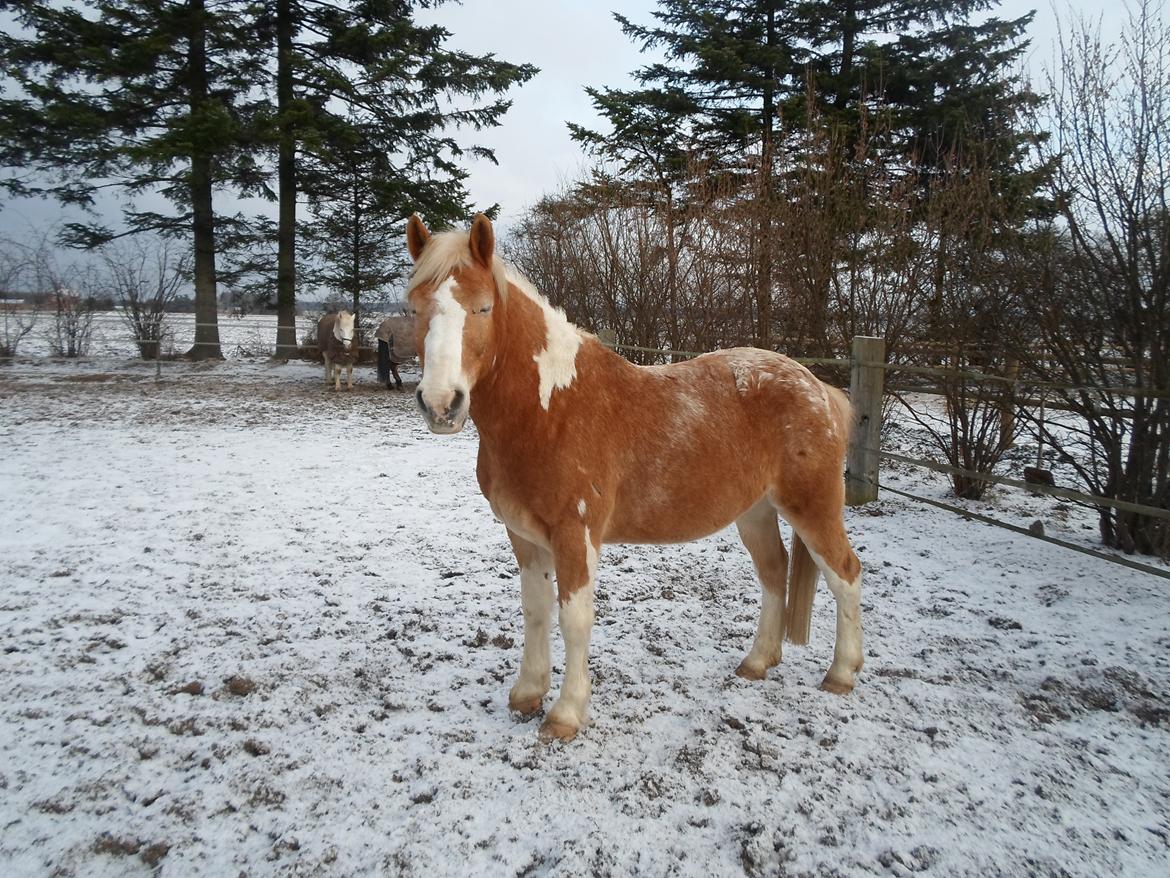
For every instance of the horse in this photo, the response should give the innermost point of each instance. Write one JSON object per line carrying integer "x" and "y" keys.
{"x": 395, "y": 337}
{"x": 578, "y": 447}
{"x": 335, "y": 339}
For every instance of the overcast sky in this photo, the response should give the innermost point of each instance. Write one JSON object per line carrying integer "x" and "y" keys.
{"x": 575, "y": 43}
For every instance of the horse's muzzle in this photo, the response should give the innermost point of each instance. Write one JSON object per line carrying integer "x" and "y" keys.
{"x": 450, "y": 420}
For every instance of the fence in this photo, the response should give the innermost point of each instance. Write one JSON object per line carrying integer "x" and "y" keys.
{"x": 867, "y": 387}
{"x": 868, "y": 370}
{"x": 237, "y": 335}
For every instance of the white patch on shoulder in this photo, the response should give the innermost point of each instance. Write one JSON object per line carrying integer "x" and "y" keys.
{"x": 557, "y": 363}
{"x": 581, "y": 507}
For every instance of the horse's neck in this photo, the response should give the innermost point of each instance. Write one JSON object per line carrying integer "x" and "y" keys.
{"x": 508, "y": 398}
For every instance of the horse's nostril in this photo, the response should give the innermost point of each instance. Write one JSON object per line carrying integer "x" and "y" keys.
{"x": 457, "y": 401}
{"x": 418, "y": 396}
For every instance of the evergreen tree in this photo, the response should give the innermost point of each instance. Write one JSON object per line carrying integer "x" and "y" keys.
{"x": 757, "y": 88}
{"x": 133, "y": 96}
{"x": 361, "y": 86}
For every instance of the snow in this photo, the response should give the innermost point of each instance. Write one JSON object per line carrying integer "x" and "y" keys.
{"x": 326, "y": 574}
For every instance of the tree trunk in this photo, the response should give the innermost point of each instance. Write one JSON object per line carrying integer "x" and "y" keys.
{"x": 764, "y": 271}
{"x": 356, "y": 267}
{"x": 286, "y": 234}
{"x": 206, "y": 345}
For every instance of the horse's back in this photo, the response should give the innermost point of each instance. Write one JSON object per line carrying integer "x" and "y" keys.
{"x": 713, "y": 435}
{"x": 325, "y": 330}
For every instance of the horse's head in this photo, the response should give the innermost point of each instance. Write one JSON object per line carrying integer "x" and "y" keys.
{"x": 457, "y": 284}
{"x": 343, "y": 329}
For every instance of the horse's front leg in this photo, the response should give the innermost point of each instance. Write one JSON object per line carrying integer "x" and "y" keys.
{"x": 575, "y": 553}
{"x": 328, "y": 369}
{"x": 536, "y": 599}
{"x": 349, "y": 376}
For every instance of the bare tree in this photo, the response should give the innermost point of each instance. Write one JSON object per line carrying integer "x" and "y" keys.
{"x": 17, "y": 316}
{"x": 71, "y": 313}
{"x": 71, "y": 293}
{"x": 1104, "y": 316}
{"x": 145, "y": 279}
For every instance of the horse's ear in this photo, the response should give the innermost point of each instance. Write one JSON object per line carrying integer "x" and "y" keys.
{"x": 416, "y": 236}
{"x": 483, "y": 240}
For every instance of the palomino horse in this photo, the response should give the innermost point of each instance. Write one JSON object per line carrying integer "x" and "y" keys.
{"x": 335, "y": 339}
{"x": 578, "y": 447}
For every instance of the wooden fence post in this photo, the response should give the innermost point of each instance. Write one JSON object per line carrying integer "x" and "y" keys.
{"x": 867, "y": 376}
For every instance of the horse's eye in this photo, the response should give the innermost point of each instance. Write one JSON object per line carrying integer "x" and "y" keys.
{"x": 485, "y": 309}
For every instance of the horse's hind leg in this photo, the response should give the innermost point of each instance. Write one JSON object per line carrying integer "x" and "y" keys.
{"x": 328, "y": 370}
{"x": 824, "y": 535}
{"x": 536, "y": 598}
{"x": 760, "y": 533}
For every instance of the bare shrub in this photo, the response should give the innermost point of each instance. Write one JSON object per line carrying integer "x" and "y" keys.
{"x": 1103, "y": 312}
{"x": 145, "y": 279}
{"x": 18, "y": 317}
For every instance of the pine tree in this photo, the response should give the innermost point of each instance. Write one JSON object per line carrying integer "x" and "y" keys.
{"x": 362, "y": 85}
{"x": 133, "y": 96}
{"x": 756, "y": 88}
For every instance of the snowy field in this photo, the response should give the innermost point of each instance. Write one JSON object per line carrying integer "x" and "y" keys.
{"x": 251, "y": 626}
{"x": 246, "y": 335}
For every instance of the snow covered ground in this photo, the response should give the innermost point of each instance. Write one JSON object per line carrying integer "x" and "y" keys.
{"x": 251, "y": 626}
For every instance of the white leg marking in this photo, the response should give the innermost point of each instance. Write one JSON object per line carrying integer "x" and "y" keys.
{"x": 576, "y": 619}
{"x": 765, "y": 651}
{"x": 576, "y": 625}
{"x": 847, "y": 649}
{"x": 537, "y": 596}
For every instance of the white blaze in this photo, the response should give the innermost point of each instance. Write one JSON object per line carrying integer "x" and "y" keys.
{"x": 443, "y": 347}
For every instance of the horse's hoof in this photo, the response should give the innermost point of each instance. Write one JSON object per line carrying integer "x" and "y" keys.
{"x": 550, "y": 729}
{"x": 750, "y": 672}
{"x": 525, "y": 706}
{"x": 836, "y": 686}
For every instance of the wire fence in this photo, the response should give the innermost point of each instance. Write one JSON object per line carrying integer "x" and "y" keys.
{"x": 232, "y": 341}
{"x": 1018, "y": 387}
{"x": 1016, "y": 383}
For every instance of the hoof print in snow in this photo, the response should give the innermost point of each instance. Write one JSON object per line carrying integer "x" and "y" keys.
{"x": 255, "y": 748}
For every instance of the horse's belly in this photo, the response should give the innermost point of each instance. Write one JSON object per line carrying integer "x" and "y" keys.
{"x": 660, "y": 516}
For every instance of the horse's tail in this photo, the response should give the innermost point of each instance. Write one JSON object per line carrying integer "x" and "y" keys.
{"x": 802, "y": 575}
{"x": 802, "y": 588}
{"x": 842, "y": 411}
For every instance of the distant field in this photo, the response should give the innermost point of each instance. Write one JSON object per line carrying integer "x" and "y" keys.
{"x": 252, "y": 335}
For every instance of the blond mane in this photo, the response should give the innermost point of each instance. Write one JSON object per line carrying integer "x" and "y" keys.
{"x": 447, "y": 251}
